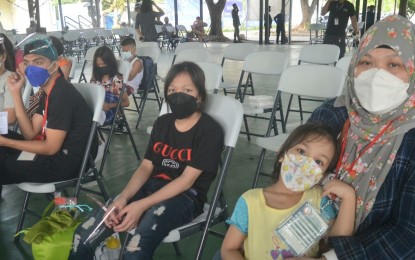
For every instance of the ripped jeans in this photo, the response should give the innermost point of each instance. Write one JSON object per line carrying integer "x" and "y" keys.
{"x": 155, "y": 224}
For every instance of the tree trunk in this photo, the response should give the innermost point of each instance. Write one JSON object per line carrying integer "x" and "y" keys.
{"x": 307, "y": 11}
{"x": 403, "y": 4}
{"x": 215, "y": 12}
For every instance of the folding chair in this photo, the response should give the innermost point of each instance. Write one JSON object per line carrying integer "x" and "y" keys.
{"x": 235, "y": 52}
{"x": 344, "y": 64}
{"x": 193, "y": 55}
{"x": 148, "y": 85}
{"x": 269, "y": 63}
{"x": 152, "y": 51}
{"x": 184, "y": 46}
{"x": 124, "y": 67}
{"x": 89, "y": 58}
{"x": 73, "y": 67}
{"x": 314, "y": 81}
{"x": 94, "y": 96}
{"x": 72, "y": 44}
{"x": 316, "y": 28}
{"x": 228, "y": 113}
{"x": 320, "y": 54}
{"x": 161, "y": 39}
{"x": 213, "y": 75}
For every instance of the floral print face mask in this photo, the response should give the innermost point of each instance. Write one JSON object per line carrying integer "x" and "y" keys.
{"x": 300, "y": 172}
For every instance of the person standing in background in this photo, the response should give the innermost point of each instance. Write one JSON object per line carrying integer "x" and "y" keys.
{"x": 145, "y": 22}
{"x": 370, "y": 16}
{"x": 236, "y": 23}
{"x": 267, "y": 26}
{"x": 340, "y": 11}
{"x": 280, "y": 21}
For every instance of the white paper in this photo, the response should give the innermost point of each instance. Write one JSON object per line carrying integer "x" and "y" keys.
{"x": 26, "y": 156}
{"x": 3, "y": 123}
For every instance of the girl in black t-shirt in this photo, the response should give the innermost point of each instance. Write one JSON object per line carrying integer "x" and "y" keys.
{"x": 169, "y": 187}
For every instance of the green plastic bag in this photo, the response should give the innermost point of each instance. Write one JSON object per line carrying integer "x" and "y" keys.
{"x": 51, "y": 237}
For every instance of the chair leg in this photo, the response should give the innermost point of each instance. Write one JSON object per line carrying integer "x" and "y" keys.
{"x": 131, "y": 137}
{"x": 22, "y": 217}
{"x": 288, "y": 108}
{"x": 258, "y": 169}
{"x": 177, "y": 249}
{"x": 246, "y": 128}
{"x": 301, "y": 109}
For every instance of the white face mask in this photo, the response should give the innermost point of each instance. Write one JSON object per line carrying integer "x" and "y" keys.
{"x": 126, "y": 55}
{"x": 299, "y": 172}
{"x": 379, "y": 91}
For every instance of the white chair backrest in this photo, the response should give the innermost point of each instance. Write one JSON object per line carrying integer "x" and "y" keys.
{"x": 238, "y": 51}
{"x": 72, "y": 36}
{"x": 227, "y": 111}
{"x": 94, "y": 96}
{"x": 147, "y": 44}
{"x": 89, "y": 34}
{"x": 322, "y": 54}
{"x": 312, "y": 80}
{"x": 153, "y": 52}
{"x": 194, "y": 55}
{"x": 73, "y": 66}
{"x": 89, "y": 56}
{"x": 181, "y": 28}
{"x": 188, "y": 45}
{"x": 170, "y": 28}
{"x": 344, "y": 64}
{"x": 316, "y": 27}
{"x": 265, "y": 62}
{"x": 159, "y": 28}
{"x": 124, "y": 67}
{"x": 213, "y": 75}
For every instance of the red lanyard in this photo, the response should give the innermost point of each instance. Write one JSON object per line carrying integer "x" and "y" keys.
{"x": 350, "y": 169}
{"x": 45, "y": 112}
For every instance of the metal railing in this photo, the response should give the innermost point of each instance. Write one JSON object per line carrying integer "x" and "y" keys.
{"x": 84, "y": 22}
{"x": 71, "y": 23}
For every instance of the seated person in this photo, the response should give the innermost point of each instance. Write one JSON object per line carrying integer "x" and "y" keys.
{"x": 105, "y": 73}
{"x": 169, "y": 35}
{"x": 158, "y": 22}
{"x": 64, "y": 64}
{"x": 56, "y": 136}
{"x": 181, "y": 161}
{"x": 310, "y": 152}
{"x": 198, "y": 29}
{"x": 128, "y": 53}
{"x": 7, "y": 66}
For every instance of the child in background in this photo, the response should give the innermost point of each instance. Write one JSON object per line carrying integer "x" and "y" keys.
{"x": 128, "y": 48}
{"x": 105, "y": 73}
{"x": 310, "y": 151}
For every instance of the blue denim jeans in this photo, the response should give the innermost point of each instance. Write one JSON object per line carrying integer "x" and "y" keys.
{"x": 154, "y": 225}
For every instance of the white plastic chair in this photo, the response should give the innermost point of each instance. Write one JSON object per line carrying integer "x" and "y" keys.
{"x": 150, "y": 51}
{"x": 194, "y": 55}
{"x": 269, "y": 63}
{"x": 235, "y": 52}
{"x": 186, "y": 45}
{"x": 73, "y": 67}
{"x": 213, "y": 75}
{"x": 320, "y": 54}
{"x": 316, "y": 28}
{"x": 147, "y": 44}
{"x": 94, "y": 96}
{"x": 88, "y": 61}
{"x": 228, "y": 113}
{"x": 315, "y": 81}
{"x": 344, "y": 63}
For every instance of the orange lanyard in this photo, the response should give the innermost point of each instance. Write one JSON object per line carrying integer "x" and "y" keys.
{"x": 45, "y": 113}
{"x": 350, "y": 169}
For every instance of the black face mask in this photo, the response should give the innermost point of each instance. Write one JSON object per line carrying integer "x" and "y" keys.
{"x": 103, "y": 70}
{"x": 182, "y": 105}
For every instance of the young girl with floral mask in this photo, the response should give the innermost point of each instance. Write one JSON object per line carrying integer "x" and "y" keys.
{"x": 307, "y": 155}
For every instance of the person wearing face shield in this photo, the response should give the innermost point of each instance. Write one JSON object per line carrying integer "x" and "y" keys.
{"x": 128, "y": 53}
{"x": 376, "y": 121}
{"x": 170, "y": 186}
{"x": 53, "y": 141}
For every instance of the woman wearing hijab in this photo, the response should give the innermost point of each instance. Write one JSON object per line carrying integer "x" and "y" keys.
{"x": 376, "y": 120}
